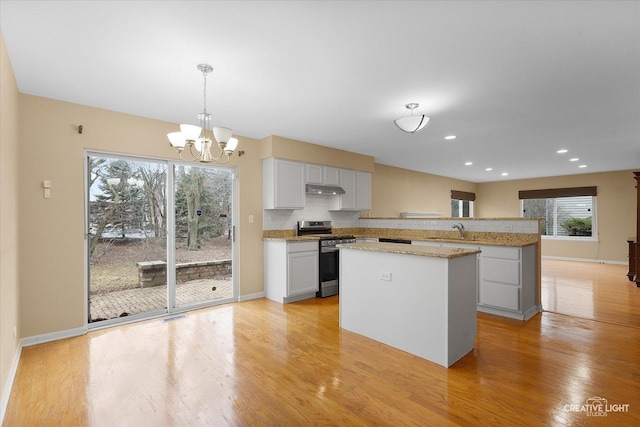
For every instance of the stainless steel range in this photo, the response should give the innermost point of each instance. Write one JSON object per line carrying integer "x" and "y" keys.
{"x": 329, "y": 254}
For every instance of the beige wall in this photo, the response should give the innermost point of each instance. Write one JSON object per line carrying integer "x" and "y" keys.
{"x": 9, "y": 254}
{"x": 396, "y": 190}
{"x": 616, "y": 211}
{"x": 284, "y": 148}
{"x": 52, "y": 230}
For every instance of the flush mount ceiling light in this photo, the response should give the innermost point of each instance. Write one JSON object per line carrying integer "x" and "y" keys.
{"x": 198, "y": 139}
{"x": 412, "y": 123}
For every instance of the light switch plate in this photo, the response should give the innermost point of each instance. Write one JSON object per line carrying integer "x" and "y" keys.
{"x": 385, "y": 275}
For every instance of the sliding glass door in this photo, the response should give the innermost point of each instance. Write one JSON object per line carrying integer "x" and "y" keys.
{"x": 203, "y": 234}
{"x": 159, "y": 237}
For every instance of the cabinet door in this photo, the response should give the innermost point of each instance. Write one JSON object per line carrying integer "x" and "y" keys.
{"x": 348, "y": 183}
{"x": 363, "y": 191}
{"x": 331, "y": 175}
{"x": 500, "y": 295}
{"x": 315, "y": 174}
{"x": 501, "y": 270}
{"x": 289, "y": 184}
{"x": 302, "y": 273}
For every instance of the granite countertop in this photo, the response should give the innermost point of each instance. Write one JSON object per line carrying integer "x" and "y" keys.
{"x": 292, "y": 238}
{"x": 508, "y": 240}
{"x": 398, "y": 248}
{"x": 475, "y": 238}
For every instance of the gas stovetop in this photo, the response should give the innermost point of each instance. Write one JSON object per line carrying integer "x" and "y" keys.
{"x": 335, "y": 236}
{"x": 310, "y": 228}
{"x": 322, "y": 230}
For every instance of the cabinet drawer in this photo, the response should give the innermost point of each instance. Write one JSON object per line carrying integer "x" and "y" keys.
{"x": 500, "y": 295}
{"x": 500, "y": 252}
{"x": 302, "y": 246}
{"x": 501, "y": 270}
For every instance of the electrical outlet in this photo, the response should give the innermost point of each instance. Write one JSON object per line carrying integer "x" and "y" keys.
{"x": 385, "y": 275}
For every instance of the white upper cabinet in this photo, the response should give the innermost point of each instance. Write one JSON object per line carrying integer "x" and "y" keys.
{"x": 283, "y": 184}
{"x": 363, "y": 191}
{"x": 319, "y": 174}
{"x": 357, "y": 187}
{"x": 348, "y": 184}
{"x": 331, "y": 175}
{"x": 314, "y": 174}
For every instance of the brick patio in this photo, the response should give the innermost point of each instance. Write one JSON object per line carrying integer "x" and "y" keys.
{"x": 110, "y": 305}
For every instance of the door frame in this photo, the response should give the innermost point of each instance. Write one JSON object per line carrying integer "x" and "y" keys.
{"x": 170, "y": 254}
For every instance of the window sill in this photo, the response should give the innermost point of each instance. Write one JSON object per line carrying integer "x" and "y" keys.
{"x": 571, "y": 239}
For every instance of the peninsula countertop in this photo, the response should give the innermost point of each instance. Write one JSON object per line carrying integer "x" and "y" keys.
{"x": 398, "y": 248}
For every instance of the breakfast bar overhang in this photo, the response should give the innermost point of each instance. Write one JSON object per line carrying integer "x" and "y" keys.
{"x": 420, "y": 299}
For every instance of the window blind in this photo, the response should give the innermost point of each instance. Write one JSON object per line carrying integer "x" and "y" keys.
{"x": 463, "y": 195}
{"x": 552, "y": 193}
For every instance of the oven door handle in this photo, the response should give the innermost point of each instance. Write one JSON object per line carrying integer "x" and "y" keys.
{"x": 329, "y": 249}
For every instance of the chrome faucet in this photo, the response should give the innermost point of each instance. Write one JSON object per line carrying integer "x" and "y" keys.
{"x": 460, "y": 228}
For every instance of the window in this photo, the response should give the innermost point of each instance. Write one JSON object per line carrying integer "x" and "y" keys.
{"x": 461, "y": 208}
{"x": 567, "y": 213}
{"x": 462, "y": 204}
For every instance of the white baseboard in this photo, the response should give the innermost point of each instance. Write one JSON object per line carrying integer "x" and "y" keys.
{"x": 39, "y": 339}
{"x": 251, "y": 296}
{"x": 598, "y": 261}
{"x": 532, "y": 312}
{"x": 6, "y": 393}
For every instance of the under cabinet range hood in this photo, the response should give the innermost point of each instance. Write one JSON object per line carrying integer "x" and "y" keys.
{"x": 325, "y": 190}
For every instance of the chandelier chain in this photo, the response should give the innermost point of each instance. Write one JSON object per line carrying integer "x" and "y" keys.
{"x": 204, "y": 73}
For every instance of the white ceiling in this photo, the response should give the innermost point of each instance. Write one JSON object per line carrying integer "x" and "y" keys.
{"x": 515, "y": 81}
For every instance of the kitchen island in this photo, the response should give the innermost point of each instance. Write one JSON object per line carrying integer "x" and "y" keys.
{"x": 420, "y": 299}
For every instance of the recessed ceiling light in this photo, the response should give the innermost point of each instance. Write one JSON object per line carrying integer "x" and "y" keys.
{"x": 450, "y": 137}
{"x": 489, "y": 169}
{"x": 582, "y": 166}
{"x": 562, "y": 151}
{"x": 468, "y": 163}
{"x": 505, "y": 173}
{"x": 575, "y": 159}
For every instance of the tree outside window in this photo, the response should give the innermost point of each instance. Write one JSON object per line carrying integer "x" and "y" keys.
{"x": 462, "y": 204}
{"x": 571, "y": 217}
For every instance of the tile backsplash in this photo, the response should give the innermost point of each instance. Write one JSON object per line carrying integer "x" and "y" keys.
{"x": 320, "y": 208}
{"x": 490, "y": 225}
{"x": 316, "y": 208}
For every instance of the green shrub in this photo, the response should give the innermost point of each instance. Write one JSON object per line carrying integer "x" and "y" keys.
{"x": 577, "y": 226}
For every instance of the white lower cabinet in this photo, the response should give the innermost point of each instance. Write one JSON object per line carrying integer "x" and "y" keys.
{"x": 499, "y": 295}
{"x": 291, "y": 270}
{"x": 507, "y": 283}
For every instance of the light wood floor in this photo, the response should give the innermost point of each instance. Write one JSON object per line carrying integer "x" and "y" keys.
{"x": 262, "y": 363}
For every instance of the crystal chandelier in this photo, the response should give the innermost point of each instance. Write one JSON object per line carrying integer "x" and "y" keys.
{"x": 199, "y": 139}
